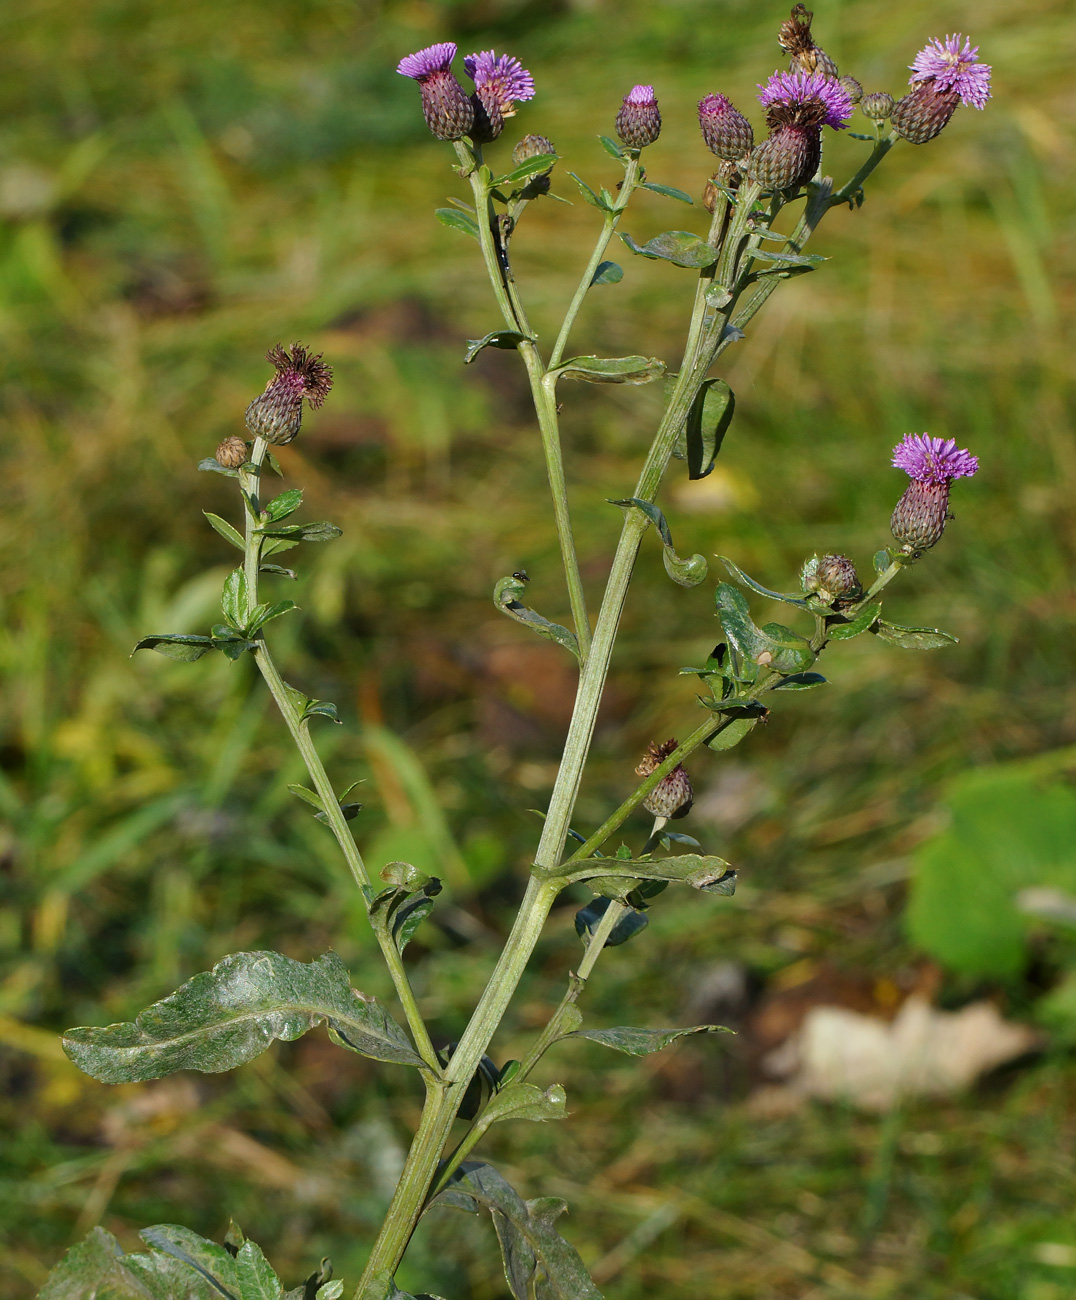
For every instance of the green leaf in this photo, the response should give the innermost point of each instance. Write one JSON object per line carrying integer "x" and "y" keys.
{"x": 588, "y": 918}
{"x": 539, "y": 1264}
{"x": 771, "y": 646}
{"x": 321, "y": 531}
{"x": 265, "y": 613}
{"x": 206, "y": 1258}
{"x": 409, "y": 915}
{"x": 862, "y": 622}
{"x": 506, "y": 597}
{"x": 668, "y": 191}
{"x": 321, "y": 709}
{"x": 226, "y": 531}
{"x": 231, "y": 1014}
{"x": 285, "y": 504}
{"x": 698, "y": 870}
{"x": 704, "y": 429}
{"x": 233, "y": 600}
{"x": 276, "y": 568}
{"x": 541, "y": 162}
{"x": 729, "y": 737}
{"x": 593, "y": 199}
{"x": 456, "y": 220}
{"x": 738, "y": 575}
{"x": 912, "y": 638}
{"x": 800, "y": 682}
{"x": 97, "y": 1267}
{"x": 349, "y": 810}
{"x": 255, "y": 1275}
{"x": 611, "y": 370}
{"x": 611, "y": 147}
{"x": 641, "y": 1042}
{"x": 307, "y": 796}
{"x": 507, "y": 339}
{"x": 686, "y": 573}
{"x": 212, "y": 466}
{"x": 186, "y": 649}
{"x": 275, "y": 544}
{"x": 680, "y": 247}
{"x": 858, "y": 135}
{"x": 608, "y": 273}
{"x": 806, "y": 260}
{"x": 525, "y": 1101}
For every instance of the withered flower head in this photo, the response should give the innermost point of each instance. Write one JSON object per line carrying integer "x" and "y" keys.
{"x": 277, "y": 414}
{"x": 797, "y": 42}
{"x": 673, "y": 795}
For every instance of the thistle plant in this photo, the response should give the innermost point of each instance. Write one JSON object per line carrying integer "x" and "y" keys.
{"x": 763, "y": 204}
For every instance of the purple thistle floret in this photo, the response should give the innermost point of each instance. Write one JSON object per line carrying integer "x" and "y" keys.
{"x": 502, "y": 76}
{"x": 434, "y": 58}
{"x": 788, "y": 93}
{"x": 933, "y": 460}
{"x": 641, "y": 95}
{"x": 953, "y": 68}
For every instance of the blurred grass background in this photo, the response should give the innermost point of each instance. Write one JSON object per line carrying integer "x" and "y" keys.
{"x": 182, "y": 186}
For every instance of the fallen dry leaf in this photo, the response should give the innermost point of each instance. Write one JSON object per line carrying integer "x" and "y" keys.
{"x": 837, "y": 1053}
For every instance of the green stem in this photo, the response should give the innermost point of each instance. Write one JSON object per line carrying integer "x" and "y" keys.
{"x": 612, "y": 220}
{"x": 884, "y": 579}
{"x": 251, "y": 476}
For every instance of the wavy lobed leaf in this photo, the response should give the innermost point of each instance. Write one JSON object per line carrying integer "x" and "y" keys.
{"x": 539, "y": 1264}
{"x": 231, "y": 1014}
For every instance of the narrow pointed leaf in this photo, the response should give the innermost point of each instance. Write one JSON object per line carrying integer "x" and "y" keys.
{"x": 862, "y": 622}
{"x": 541, "y": 162}
{"x": 231, "y": 1014}
{"x": 729, "y": 737}
{"x": 213, "y": 466}
{"x": 800, "y": 682}
{"x": 612, "y": 370}
{"x": 456, "y": 220}
{"x": 233, "y": 600}
{"x": 285, "y": 504}
{"x": 307, "y": 796}
{"x": 913, "y": 638}
{"x": 265, "y": 613}
{"x": 738, "y": 575}
{"x": 641, "y": 1042}
{"x": 276, "y": 568}
{"x": 593, "y": 199}
{"x": 321, "y": 709}
{"x": 611, "y": 147}
{"x": 669, "y": 191}
{"x": 506, "y": 597}
{"x": 225, "y": 529}
{"x": 255, "y": 1275}
{"x": 539, "y": 1264}
{"x": 680, "y": 247}
{"x": 525, "y": 1101}
{"x": 704, "y": 430}
{"x": 698, "y": 870}
{"x": 185, "y": 649}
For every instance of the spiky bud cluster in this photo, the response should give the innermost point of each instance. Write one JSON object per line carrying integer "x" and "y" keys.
{"x": 672, "y": 796}
{"x": 921, "y": 514}
{"x": 232, "y": 453}
{"x": 797, "y": 42}
{"x": 725, "y": 129}
{"x": 638, "y": 123}
{"x": 277, "y": 414}
{"x": 878, "y": 105}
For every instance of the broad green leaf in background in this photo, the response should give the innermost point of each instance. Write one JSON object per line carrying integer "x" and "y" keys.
{"x": 231, "y": 1014}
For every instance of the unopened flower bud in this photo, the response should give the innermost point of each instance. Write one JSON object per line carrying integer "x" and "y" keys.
{"x": 277, "y": 414}
{"x": 533, "y": 146}
{"x": 836, "y": 578}
{"x": 639, "y": 121}
{"x": 788, "y": 157}
{"x": 922, "y": 512}
{"x": 673, "y": 795}
{"x": 878, "y": 105}
{"x": 924, "y": 112}
{"x": 232, "y": 453}
{"x": 853, "y": 89}
{"x": 725, "y": 129}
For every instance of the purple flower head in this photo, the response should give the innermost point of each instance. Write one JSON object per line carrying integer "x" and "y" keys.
{"x": 639, "y": 121}
{"x": 641, "y": 95}
{"x": 933, "y": 460}
{"x": 501, "y": 77}
{"x": 434, "y": 58}
{"x": 805, "y": 99}
{"x": 953, "y": 68}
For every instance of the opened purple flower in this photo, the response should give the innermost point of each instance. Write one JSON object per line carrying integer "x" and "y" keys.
{"x": 953, "y": 68}
{"x": 805, "y": 99}
{"x": 923, "y": 511}
{"x": 277, "y": 414}
{"x": 446, "y": 105}
{"x": 500, "y": 82}
{"x": 639, "y": 121}
{"x": 933, "y": 460}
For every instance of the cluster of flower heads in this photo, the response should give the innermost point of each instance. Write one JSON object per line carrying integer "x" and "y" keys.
{"x": 500, "y": 82}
